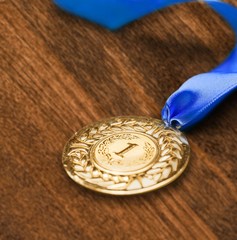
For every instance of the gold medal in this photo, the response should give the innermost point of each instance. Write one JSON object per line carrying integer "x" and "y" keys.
{"x": 126, "y": 155}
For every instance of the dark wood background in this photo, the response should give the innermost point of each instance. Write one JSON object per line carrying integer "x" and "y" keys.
{"x": 59, "y": 73}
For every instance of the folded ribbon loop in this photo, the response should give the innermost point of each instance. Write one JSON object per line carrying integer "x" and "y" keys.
{"x": 197, "y": 96}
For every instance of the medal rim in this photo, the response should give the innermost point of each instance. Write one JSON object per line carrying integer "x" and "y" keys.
{"x": 99, "y": 189}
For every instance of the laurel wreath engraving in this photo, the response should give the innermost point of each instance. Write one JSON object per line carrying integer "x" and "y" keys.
{"x": 172, "y": 146}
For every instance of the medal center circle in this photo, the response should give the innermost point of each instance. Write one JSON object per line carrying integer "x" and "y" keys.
{"x": 125, "y": 153}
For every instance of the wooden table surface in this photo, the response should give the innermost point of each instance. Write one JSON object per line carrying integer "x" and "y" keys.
{"x": 59, "y": 73}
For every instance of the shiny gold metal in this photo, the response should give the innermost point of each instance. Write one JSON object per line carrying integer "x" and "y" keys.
{"x": 126, "y": 155}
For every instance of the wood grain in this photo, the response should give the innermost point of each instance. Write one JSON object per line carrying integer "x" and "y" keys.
{"x": 59, "y": 73}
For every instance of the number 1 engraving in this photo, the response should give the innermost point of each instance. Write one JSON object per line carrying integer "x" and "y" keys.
{"x": 127, "y": 149}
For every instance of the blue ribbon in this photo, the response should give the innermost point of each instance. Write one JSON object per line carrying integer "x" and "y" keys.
{"x": 199, "y": 95}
